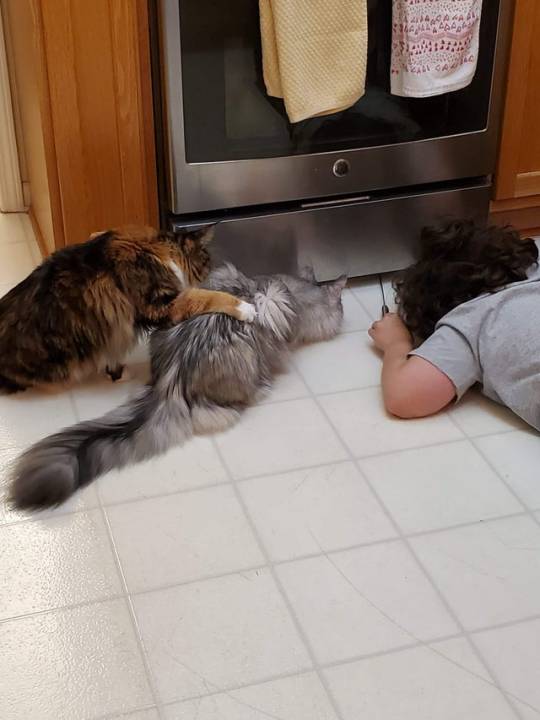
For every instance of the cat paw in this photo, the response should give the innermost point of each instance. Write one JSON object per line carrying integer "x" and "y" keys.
{"x": 246, "y": 311}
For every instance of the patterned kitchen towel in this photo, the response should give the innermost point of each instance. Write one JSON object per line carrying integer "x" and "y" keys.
{"x": 434, "y": 46}
{"x": 314, "y": 54}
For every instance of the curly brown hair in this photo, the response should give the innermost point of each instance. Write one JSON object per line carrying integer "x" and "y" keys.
{"x": 458, "y": 262}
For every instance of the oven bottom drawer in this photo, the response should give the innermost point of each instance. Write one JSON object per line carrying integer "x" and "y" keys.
{"x": 359, "y": 237}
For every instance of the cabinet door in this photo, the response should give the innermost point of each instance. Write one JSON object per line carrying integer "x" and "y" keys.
{"x": 95, "y": 104}
{"x": 518, "y": 173}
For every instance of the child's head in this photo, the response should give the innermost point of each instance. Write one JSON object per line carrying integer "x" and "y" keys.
{"x": 458, "y": 262}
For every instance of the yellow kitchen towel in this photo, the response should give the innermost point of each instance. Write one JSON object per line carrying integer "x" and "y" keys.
{"x": 314, "y": 54}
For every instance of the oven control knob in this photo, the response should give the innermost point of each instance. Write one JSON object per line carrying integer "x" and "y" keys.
{"x": 341, "y": 168}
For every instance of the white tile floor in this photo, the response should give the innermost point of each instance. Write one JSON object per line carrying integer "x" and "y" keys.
{"x": 320, "y": 561}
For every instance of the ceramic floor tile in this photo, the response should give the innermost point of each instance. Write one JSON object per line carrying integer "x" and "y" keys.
{"x": 477, "y": 415}
{"x": 208, "y": 636}
{"x": 459, "y": 651}
{"x": 186, "y": 537}
{"x": 345, "y": 363}
{"x": 279, "y": 437}
{"x": 439, "y": 486}
{"x": 96, "y": 396}
{"x": 368, "y": 291}
{"x": 12, "y": 228}
{"x": 513, "y": 653}
{"x": 16, "y": 262}
{"x": 355, "y": 316}
{"x": 414, "y": 684}
{"x": 516, "y": 456}
{"x": 72, "y": 664}
{"x": 84, "y": 499}
{"x": 194, "y": 465}
{"x": 526, "y": 711}
{"x": 29, "y": 416}
{"x": 309, "y": 511}
{"x": 296, "y": 698}
{"x": 151, "y": 714}
{"x": 489, "y": 572}
{"x": 364, "y": 601}
{"x": 59, "y": 561}
{"x": 287, "y": 386}
{"x": 362, "y": 422}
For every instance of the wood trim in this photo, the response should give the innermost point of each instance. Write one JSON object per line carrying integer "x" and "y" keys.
{"x": 55, "y": 198}
{"x": 525, "y": 219}
{"x": 11, "y": 194}
{"x": 515, "y": 203}
{"x": 40, "y": 240}
{"x": 147, "y": 111}
{"x": 133, "y": 93}
{"x": 516, "y": 97}
{"x": 528, "y": 184}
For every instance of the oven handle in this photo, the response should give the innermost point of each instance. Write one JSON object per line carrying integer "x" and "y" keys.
{"x": 341, "y": 201}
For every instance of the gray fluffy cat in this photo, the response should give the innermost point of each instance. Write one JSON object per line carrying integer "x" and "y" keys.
{"x": 204, "y": 371}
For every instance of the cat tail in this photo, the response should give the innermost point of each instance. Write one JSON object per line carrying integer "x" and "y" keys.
{"x": 49, "y": 472}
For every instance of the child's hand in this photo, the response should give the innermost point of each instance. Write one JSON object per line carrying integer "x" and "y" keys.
{"x": 390, "y": 331}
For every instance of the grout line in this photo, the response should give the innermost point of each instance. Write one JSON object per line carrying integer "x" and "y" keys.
{"x": 275, "y": 561}
{"x": 131, "y": 611}
{"x": 238, "y": 687}
{"x": 533, "y": 516}
{"x": 127, "y": 714}
{"x": 204, "y": 578}
{"x": 63, "y": 608}
{"x": 440, "y": 595}
{"x": 481, "y": 436}
{"x": 38, "y": 517}
{"x": 292, "y": 614}
{"x": 526, "y": 509}
{"x": 167, "y": 494}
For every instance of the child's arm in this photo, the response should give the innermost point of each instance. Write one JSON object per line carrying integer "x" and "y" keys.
{"x": 412, "y": 386}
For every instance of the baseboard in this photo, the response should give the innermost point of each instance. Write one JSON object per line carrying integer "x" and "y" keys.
{"x": 522, "y": 213}
{"x": 39, "y": 235}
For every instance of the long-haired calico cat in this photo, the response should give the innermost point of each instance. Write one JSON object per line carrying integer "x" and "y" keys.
{"x": 85, "y": 306}
{"x": 204, "y": 372}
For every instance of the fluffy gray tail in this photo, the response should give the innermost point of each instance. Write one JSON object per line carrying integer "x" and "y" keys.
{"x": 50, "y": 471}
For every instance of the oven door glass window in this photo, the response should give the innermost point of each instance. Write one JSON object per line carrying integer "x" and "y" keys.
{"x": 229, "y": 116}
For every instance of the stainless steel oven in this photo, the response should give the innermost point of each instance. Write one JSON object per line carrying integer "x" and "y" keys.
{"x": 346, "y": 192}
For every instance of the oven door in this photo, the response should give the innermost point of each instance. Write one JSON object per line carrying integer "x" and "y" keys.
{"x": 230, "y": 145}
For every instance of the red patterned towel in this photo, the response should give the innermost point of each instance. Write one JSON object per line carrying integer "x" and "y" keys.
{"x": 434, "y": 45}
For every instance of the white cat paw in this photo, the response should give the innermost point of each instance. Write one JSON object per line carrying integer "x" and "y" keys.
{"x": 247, "y": 311}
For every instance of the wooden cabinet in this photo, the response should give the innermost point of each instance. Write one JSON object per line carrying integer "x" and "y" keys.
{"x": 517, "y": 186}
{"x": 89, "y": 65}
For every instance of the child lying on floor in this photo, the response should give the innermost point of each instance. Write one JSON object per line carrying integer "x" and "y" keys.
{"x": 468, "y": 312}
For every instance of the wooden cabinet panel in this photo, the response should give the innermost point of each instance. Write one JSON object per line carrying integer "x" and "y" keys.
{"x": 97, "y": 56}
{"x": 90, "y": 69}
{"x": 518, "y": 173}
{"x": 529, "y": 159}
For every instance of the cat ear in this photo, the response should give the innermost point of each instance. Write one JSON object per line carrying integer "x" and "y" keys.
{"x": 192, "y": 240}
{"x": 205, "y": 235}
{"x": 336, "y": 287}
{"x": 307, "y": 273}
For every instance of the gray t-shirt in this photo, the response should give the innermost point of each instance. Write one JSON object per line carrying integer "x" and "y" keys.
{"x": 494, "y": 340}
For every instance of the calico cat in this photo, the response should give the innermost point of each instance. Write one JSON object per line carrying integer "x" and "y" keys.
{"x": 85, "y": 306}
{"x": 204, "y": 372}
